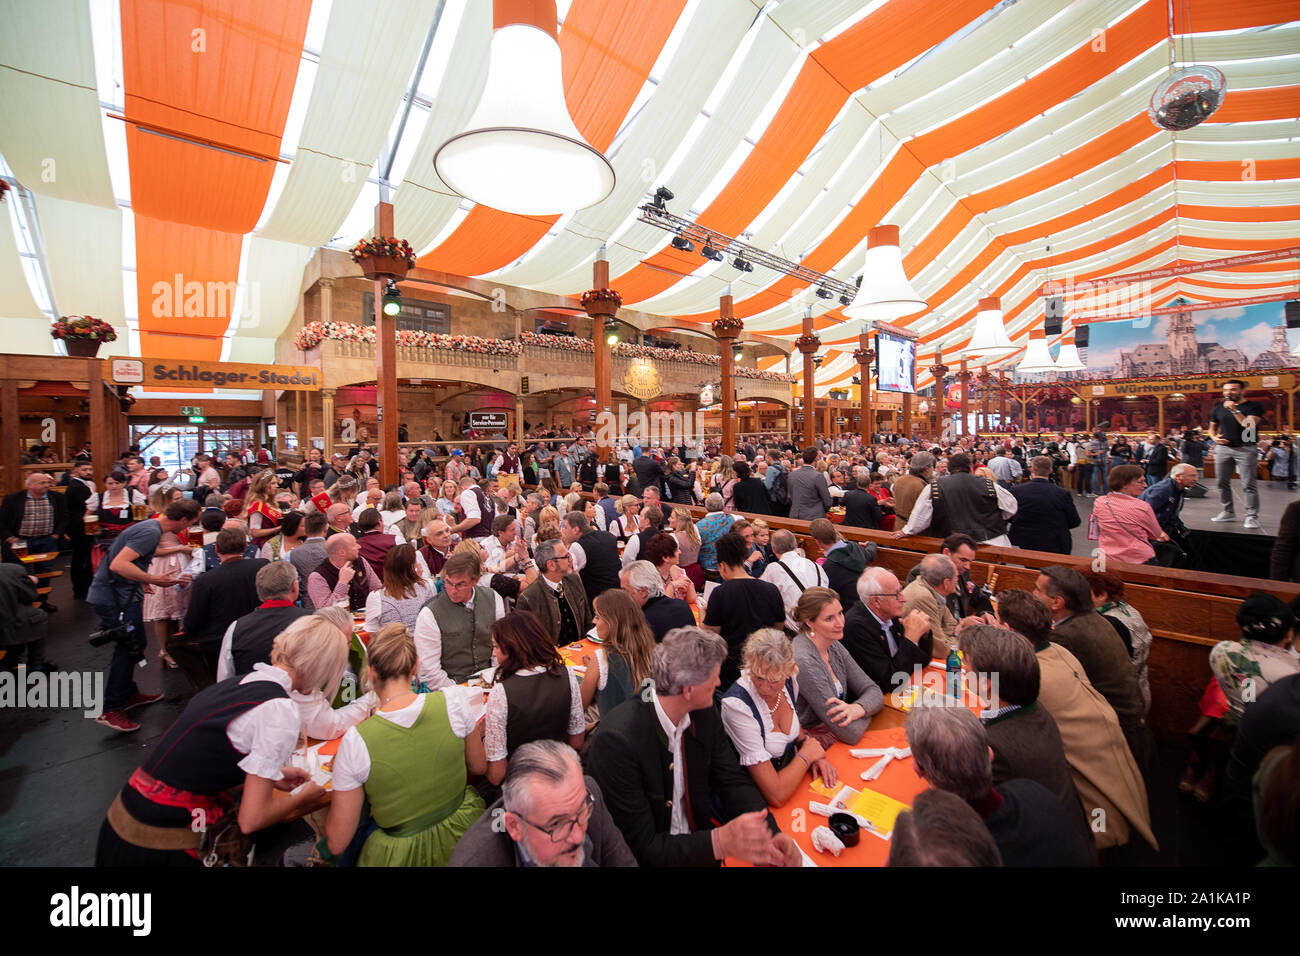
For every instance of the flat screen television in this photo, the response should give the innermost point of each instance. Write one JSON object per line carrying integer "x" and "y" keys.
{"x": 895, "y": 362}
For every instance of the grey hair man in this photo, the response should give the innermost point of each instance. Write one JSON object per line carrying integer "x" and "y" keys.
{"x": 557, "y": 597}
{"x": 662, "y": 612}
{"x": 548, "y": 814}
{"x": 640, "y": 753}
{"x": 792, "y": 573}
{"x": 879, "y": 637}
{"x": 929, "y": 593}
{"x": 248, "y": 639}
{"x": 952, "y": 753}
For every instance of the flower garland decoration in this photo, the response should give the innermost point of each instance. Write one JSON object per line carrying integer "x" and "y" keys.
{"x": 601, "y": 297}
{"x": 724, "y": 324}
{"x": 807, "y": 343}
{"x": 83, "y": 328}
{"x": 383, "y": 247}
{"x": 864, "y": 356}
{"x": 312, "y": 334}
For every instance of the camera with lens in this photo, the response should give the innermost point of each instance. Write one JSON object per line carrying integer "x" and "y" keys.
{"x": 110, "y": 634}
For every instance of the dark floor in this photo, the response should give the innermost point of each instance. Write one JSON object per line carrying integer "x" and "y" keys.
{"x": 59, "y": 770}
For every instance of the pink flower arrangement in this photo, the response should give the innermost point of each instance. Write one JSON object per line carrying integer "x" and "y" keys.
{"x": 312, "y": 334}
{"x": 601, "y": 297}
{"x": 383, "y": 246}
{"x": 83, "y": 328}
{"x": 567, "y": 343}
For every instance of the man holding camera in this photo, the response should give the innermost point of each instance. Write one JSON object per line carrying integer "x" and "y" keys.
{"x": 117, "y": 595}
{"x": 1234, "y": 426}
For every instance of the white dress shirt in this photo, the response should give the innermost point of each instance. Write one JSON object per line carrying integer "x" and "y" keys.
{"x": 923, "y": 511}
{"x": 752, "y": 744}
{"x": 577, "y": 556}
{"x": 428, "y": 644}
{"x": 679, "y": 824}
{"x": 810, "y": 574}
{"x": 268, "y": 732}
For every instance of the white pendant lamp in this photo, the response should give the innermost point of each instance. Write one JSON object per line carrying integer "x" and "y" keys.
{"x": 1037, "y": 357}
{"x": 520, "y": 151}
{"x": 1067, "y": 359}
{"x": 885, "y": 292}
{"x": 990, "y": 336}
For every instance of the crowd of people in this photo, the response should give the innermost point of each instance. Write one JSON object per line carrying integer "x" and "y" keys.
{"x": 671, "y": 745}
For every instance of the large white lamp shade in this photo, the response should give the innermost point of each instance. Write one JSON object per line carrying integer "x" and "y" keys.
{"x": 990, "y": 336}
{"x": 1067, "y": 359}
{"x": 1037, "y": 357}
{"x": 520, "y": 151}
{"x": 885, "y": 292}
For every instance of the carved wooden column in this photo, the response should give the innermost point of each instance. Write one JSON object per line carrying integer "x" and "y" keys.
{"x": 727, "y": 328}
{"x": 863, "y": 355}
{"x": 938, "y": 370}
{"x": 964, "y": 376}
{"x": 602, "y": 304}
{"x": 808, "y": 343}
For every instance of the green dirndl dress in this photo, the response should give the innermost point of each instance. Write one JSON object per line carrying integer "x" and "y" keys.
{"x": 417, "y": 789}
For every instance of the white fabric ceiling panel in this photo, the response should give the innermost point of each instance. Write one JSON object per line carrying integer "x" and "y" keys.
{"x": 369, "y": 54}
{"x": 273, "y": 275}
{"x": 83, "y": 249}
{"x": 50, "y": 128}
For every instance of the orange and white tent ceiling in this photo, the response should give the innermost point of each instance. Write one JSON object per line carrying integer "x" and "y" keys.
{"x": 986, "y": 131}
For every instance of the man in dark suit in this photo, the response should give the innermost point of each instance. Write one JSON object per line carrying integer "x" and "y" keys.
{"x": 1045, "y": 512}
{"x": 557, "y": 597}
{"x": 650, "y": 473}
{"x": 861, "y": 510}
{"x": 810, "y": 496}
{"x": 77, "y": 480}
{"x": 882, "y": 643}
{"x": 219, "y": 597}
{"x": 549, "y": 814}
{"x": 668, "y": 769}
{"x": 663, "y": 613}
{"x": 37, "y": 516}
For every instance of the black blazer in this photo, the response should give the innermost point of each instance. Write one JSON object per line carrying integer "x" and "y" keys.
{"x": 663, "y": 613}
{"x": 1044, "y": 518}
{"x": 750, "y": 496}
{"x": 220, "y": 596}
{"x": 861, "y": 509}
{"x": 629, "y": 758}
{"x": 864, "y": 639}
{"x": 75, "y": 497}
{"x": 15, "y": 505}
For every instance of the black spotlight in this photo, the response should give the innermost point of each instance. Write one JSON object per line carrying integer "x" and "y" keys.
{"x": 744, "y": 265}
{"x": 823, "y": 292}
{"x": 709, "y": 252}
{"x": 845, "y": 300}
{"x": 392, "y": 299}
{"x": 662, "y": 195}
{"x": 856, "y": 380}
{"x": 817, "y": 361}
{"x": 684, "y": 244}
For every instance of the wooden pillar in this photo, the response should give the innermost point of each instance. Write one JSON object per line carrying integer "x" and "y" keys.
{"x": 808, "y": 344}
{"x": 789, "y": 422}
{"x": 1003, "y": 383}
{"x": 10, "y": 435}
{"x": 727, "y": 328}
{"x": 386, "y": 366}
{"x": 985, "y": 384}
{"x": 603, "y": 360}
{"x": 299, "y": 428}
{"x": 864, "y": 355}
{"x": 964, "y": 376}
{"x": 519, "y": 421}
{"x": 1290, "y": 414}
{"x": 327, "y": 421}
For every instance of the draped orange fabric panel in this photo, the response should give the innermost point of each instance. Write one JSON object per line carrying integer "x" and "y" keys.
{"x": 606, "y": 52}
{"x": 880, "y": 43}
{"x": 185, "y": 284}
{"x": 1253, "y": 106}
{"x": 221, "y": 72}
{"x": 229, "y": 84}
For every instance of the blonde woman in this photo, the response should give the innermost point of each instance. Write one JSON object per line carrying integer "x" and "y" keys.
{"x": 447, "y": 503}
{"x": 621, "y": 665}
{"x": 724, "y": 482}
{"x": 836, "y": 694}
{"x": 759, "y": 713}
{"x": 547, "y": 517}
{"x": 626, "y": 524}
{"x": 391, "y": 511}
{"x": 688, "y": 545}
{"x": 250, "y": 729}
{"x": 344, "y": 491}
{"x": 411, "y": 761}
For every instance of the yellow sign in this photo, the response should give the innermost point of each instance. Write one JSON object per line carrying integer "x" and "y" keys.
{"x": 642, "y": 380}
{"x": 1188, "y": 385}
{"x": 182, "y": 373}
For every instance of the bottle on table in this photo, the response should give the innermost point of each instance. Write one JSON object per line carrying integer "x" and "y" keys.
{"x": 953, "y": 667}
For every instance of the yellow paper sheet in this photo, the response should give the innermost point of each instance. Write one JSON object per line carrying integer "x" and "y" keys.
{"x": 820, "y": 788}
{"x": 879, "y": 809}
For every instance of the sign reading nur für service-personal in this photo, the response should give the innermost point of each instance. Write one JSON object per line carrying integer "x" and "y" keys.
{"x": 181, "y": 373}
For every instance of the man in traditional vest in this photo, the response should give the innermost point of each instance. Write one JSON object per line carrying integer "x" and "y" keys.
{"x": 960, "y": 502}
{"x": 248, "y": 639}
{"x": 374, "y": 541}
{"x": 594, "y": 554}
{"x": 478, "y": 510}
{"x": 453, "y": 632}
{"x": 437, "y": 545}
{"x": 342, "y": 576}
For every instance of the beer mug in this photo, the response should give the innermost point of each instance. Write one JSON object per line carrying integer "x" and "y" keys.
{"x": 92, "y": 524}
{"x": 20, "y": 548}
{"x": 139, "y": 512}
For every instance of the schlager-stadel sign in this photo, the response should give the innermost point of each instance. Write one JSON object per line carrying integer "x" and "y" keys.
{"x": 182, "y": 373}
